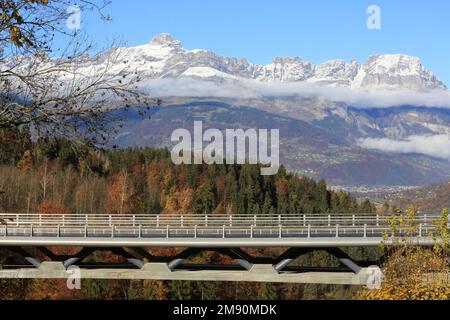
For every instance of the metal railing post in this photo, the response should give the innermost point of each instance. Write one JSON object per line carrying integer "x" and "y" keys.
{"x": 353, "y": 220}
{"x": 309, "y": 231}
{"x": 223, "y": 231}
{"x": 195, "y": 232}
{"x": 280, "y": 231}
{"x": 337, "y": 231}
{"x": 329, "y": 220}
{"x": 251, "y": 231}
{"x": 304, "y": 220}
{"x": 378, "y": 220}
{"x": 40, "y": 220}
{"x": 31, "y": 233}
{"x": 365, "y": 230}
{"x": 420, "y": 230}
{"x": 182, "y": 221}
{"x": 167, "y": 232}
{"x": 140, "y": 230}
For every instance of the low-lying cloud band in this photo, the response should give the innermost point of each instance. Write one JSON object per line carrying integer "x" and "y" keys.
{"x": 437, "y": 146}
{"x": 250, "y": 89}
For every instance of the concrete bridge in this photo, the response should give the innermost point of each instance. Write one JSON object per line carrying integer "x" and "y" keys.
{"x": 33, "y": 237}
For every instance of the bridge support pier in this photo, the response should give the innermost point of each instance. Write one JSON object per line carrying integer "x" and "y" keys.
{"x": 180, "y": 258}
{"x": 290, "y": 255}
{"x": 78, "y": 257}
{"x": 26, "y": 256}
{"x": 344, "y": 259}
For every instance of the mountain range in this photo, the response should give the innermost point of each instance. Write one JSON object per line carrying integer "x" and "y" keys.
{"x": 164, "y": 57}
{"x": 381, "y": 123}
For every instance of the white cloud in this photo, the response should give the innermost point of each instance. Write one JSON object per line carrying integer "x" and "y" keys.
{"x": 245, "y": 89}
{"x": 437, "y": 146}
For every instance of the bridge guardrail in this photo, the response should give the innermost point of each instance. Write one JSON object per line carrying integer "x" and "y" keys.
{"x": 167, "y": 226}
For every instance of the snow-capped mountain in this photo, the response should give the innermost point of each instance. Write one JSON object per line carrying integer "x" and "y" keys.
{"x": 395, "y": 71}
{"x": 164, "y": 57}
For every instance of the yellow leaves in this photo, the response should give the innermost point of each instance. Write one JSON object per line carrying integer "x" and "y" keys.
{"x": 43, "y": 2}
{"x": 26, "y": 163}
{"x": 394, "y": 224}
{"x": 178, "y": 201}
{"x": 11, "y": 19}
{"x": 412, "y": 273}
{"x": 14, "y": 34}
{"x": 442, "y": 238}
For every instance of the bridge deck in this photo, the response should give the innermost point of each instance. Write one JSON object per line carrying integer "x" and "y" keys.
{"x": 319, "y": 242}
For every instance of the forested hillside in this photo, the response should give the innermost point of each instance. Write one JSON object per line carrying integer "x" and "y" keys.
{"x": 431, "y": 198}
{"x": 56, "y": 176}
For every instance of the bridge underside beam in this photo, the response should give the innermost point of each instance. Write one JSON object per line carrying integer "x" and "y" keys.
{"x": 161, "y": 271}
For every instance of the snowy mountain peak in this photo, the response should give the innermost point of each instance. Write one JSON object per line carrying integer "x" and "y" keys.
{"x": 286, "y": 69}
{"x": 335, "y": 73}
{"x": 165, "y": 39}
{"x": 164, "y": 57}
{"x": 390, "y": 71}
{"x": 394, "y": 62}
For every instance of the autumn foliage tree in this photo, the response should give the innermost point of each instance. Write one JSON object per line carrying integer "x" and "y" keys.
{"x": 49, "y": 207}
{"x": 413, "y": 272}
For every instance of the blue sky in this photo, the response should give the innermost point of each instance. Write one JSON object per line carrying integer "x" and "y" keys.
{"x": 315, "y": 30}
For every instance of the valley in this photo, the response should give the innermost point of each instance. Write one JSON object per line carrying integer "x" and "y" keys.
{"x": 311, "y": 149}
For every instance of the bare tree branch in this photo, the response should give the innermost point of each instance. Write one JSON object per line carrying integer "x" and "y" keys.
{"x": 69, "y": 91}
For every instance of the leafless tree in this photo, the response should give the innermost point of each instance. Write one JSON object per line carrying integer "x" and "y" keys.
{"x": 74, "y": 90}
